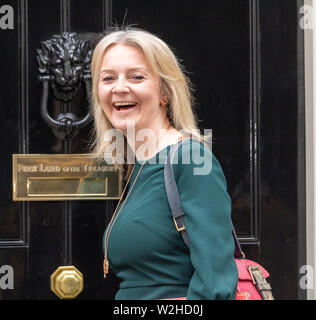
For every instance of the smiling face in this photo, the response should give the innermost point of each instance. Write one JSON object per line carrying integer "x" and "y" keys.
{"x": 128, "y": 90}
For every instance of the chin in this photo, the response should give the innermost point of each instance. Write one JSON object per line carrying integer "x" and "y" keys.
{"x": 123, "y": 124}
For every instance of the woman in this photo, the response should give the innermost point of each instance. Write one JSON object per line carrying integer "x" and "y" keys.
{"x": 140, "y": 90}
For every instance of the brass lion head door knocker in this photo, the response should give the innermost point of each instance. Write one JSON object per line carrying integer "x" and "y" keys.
{"x": 64, "y": 67}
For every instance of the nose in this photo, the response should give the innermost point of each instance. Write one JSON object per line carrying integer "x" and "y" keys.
{"x": 120, "y": 87}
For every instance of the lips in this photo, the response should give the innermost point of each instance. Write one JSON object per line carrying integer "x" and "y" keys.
{"x": 124, "y": 105}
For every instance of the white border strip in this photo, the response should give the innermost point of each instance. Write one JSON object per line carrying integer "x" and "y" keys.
{"x": 310, "y": 131}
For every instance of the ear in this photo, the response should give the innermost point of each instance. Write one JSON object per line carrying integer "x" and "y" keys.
{"x": 164, "y": 100}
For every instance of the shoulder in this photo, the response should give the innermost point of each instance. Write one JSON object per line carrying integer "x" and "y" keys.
{"x": 196, "y": 155}
{"x": 197, "y": 162}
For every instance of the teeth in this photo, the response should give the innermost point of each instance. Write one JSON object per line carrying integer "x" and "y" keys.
{"x": 122, "y": 104}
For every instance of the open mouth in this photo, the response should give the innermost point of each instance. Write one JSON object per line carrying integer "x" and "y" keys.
{"x": 124, "y": 105}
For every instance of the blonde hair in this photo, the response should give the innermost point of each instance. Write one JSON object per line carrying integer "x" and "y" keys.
{"x": 163, "y": 62}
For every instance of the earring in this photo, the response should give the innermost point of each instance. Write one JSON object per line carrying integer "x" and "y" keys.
{"x": 163, "y": 102}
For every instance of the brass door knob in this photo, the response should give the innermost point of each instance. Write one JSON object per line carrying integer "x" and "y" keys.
{"x": 66, "y": 282}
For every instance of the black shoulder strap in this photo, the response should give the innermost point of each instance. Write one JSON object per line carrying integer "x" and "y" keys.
{"x": 175, "y": 202}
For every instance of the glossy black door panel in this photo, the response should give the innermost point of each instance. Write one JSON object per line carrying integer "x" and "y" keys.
{"x": 37, "y": 237}
{"x": 282, "y": 145}
{"x": 9, "y": 131}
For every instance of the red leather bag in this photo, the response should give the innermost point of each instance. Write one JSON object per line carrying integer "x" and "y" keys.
{"x": 252, "y": 283}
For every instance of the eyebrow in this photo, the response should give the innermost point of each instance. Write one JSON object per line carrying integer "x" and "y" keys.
{"x": 129, "y": 70}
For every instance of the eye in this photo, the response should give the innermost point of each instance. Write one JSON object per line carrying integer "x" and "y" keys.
{"x": 138, "y": 77}
{"x": 108, "y": 78}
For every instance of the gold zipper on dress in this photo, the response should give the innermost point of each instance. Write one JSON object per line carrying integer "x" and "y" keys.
{"x": 114, "y": 217}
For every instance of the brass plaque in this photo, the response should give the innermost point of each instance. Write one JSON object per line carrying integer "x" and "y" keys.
{"x": 46, "y": 177}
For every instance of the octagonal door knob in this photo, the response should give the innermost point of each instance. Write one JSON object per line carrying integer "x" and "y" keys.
{"x": 66, "y": 282}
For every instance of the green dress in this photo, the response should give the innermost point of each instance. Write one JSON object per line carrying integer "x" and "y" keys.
{"x": 146, "y": 251}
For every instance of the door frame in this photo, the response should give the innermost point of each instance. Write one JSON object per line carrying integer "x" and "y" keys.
{"x": 310, "y": 131}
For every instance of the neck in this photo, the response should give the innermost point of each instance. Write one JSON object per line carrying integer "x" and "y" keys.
{"x": 146, "y": 143}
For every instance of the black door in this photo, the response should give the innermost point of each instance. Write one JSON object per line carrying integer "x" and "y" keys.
{"x": 246, "y": 61}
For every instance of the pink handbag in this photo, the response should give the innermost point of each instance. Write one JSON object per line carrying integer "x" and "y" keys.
{"x": 252, "y": 283}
